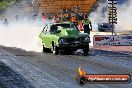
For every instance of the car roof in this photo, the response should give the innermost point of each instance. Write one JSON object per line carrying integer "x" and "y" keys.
{"x": 104, "y": 24}
{"x": 60, "y": 23}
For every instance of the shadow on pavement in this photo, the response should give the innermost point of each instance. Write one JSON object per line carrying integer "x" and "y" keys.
{"x": 11, "y": 79}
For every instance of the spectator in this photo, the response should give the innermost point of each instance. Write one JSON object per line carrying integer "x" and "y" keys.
{"x": 80, "y": 26}
{"x": 75, "y": 25}
{"x": 55, "y": 19}
{"x": 68, "y": 16}
{"x": 5, "y": 22}
{"x": 16, "y": 17}
{"x": 43, "y": 17}
{"x": 73, "y": 19}
{"x": 81, "y": 15}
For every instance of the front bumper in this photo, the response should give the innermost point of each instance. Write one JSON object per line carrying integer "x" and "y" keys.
{"x": 73, "y": 45}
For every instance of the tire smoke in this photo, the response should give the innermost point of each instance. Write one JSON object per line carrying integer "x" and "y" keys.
{"x": 21, "y": 35}
{"x": 123, "y": 16}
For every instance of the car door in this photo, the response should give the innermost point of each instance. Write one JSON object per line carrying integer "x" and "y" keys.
{"x": 45, "y": 35}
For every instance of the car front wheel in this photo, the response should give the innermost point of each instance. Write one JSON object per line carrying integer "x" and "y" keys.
{"x": 86, "y": 50}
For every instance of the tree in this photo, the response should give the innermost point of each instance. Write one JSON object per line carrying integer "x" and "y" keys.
{"x": 6, "y": 3}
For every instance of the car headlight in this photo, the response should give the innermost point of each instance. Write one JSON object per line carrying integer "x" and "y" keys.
{"x": 61, "y": 40}
{"x": 86, "y": 39}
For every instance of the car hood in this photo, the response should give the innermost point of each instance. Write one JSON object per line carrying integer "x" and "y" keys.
{"x": 72, "y": 33}
{"x": 83, "y": 34}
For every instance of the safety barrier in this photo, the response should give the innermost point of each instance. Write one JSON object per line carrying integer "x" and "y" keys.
{"x": 114, "y": 43}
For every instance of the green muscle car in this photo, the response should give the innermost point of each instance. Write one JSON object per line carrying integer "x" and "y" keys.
{"x": 59, "y": 37}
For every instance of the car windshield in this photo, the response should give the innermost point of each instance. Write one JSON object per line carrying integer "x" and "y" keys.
{"x": 105, "y": 26}
{"x": 56, "y": 26}
{"x": 63, "y": 25}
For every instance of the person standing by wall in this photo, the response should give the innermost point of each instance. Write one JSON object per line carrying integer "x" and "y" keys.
{"x": 73, "y": 19}
{"x": 80, "y": 26}
{"x": 55, "y": 19}
{"x": 6, "y": 23}
{"x": 17, "y": 18}
{"x": 86, "y": 25}
{"x": 43, "y": 17}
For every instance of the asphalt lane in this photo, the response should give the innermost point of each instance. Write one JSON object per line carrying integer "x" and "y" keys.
{"x": 2, "y": 85}
{"x": 61, "y": 70}
{"x": 11, "y": 79}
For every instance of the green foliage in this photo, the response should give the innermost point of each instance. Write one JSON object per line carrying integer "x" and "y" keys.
{"x": 6, "y": 3}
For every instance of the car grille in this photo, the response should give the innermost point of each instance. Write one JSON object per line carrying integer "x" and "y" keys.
{"x": 80, "y": 39}
{"x": 71, "y": 39}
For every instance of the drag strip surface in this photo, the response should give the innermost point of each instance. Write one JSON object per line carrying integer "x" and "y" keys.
{"x": 10, "y": 79}
{"x": 44, "y": 70}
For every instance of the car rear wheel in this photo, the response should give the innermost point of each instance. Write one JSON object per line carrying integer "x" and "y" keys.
{"x": 55, "y": 50}
{"x": 45, "y": 49}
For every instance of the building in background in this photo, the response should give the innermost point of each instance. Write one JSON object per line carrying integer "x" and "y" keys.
{"x": 54, "y": 6}
{"x": 62, "y": 6}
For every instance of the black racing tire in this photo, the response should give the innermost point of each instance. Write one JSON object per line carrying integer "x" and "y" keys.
{"x": 45, "y": 49}
{"x": 55, "y": 50}
{"x": 86, "y": 50}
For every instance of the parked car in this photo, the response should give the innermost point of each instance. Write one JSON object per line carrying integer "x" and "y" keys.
{"x": 59, "y": 37}
{"x": 105, "y": 27}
